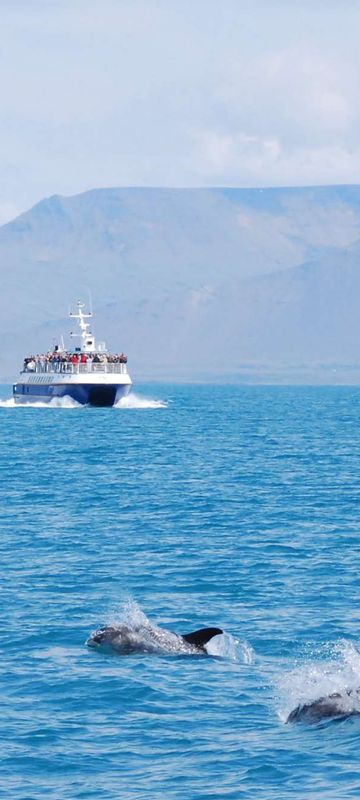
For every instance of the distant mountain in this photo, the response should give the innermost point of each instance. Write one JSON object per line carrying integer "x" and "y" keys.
{"x": 194, "y": 283}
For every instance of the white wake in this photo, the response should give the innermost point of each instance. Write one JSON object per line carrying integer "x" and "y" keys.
{"x": 131, "y": 401}
{"x": 56, "y": 402}
{"x": 138, "y": 401}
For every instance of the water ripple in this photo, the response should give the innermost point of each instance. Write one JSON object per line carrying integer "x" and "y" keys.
{"x": 234, "y": 507}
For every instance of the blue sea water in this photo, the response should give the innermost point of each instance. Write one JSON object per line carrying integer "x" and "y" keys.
{"x": 187, "y": 506}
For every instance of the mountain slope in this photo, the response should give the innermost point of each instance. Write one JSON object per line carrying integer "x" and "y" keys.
{"x": 191, "y": 283}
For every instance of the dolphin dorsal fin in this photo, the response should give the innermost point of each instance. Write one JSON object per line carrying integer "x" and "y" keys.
{"x": 202, "y": 637}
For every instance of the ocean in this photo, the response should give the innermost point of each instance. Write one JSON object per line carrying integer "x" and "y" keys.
{"x": 184, "y": 507}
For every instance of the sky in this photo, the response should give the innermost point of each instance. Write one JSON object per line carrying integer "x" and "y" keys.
{"x": 249, "y": 93}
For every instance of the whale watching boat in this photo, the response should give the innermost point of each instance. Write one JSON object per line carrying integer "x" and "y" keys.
{"x": 88, "y": 374}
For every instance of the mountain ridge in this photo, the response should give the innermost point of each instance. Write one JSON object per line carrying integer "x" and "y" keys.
{"x": 191, "y": 282}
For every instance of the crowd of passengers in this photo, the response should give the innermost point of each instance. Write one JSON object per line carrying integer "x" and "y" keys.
{"x": 61, "y": 361}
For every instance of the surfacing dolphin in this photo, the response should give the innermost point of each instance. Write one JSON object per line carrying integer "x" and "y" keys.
{"x": 338, "y": 705}
{"x": 149, "y": 639}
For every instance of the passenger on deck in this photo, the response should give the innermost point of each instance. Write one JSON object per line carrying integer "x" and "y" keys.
{"x": 63, "y": 361}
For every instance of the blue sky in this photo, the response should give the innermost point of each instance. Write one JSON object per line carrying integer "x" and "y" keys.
{"x": 176, "y": 93}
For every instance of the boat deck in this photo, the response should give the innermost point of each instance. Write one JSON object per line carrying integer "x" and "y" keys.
{"x": 77, "y": 369}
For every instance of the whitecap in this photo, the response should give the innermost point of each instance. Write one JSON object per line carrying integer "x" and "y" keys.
{"x": 133, "y": 400}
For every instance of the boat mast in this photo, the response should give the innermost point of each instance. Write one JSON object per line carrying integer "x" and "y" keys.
{"x": 87, "y": 338}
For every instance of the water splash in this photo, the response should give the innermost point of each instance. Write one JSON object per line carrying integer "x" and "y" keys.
{"x": 131, "y": 401}
{"x": 141, "y": 635}
{"x": 226, "y": 646}
{"x": 138, "y": 401}
{"x": 9, "y": 403}
{"x": 333, "y": 669}
{"x": 149, "y": 637}
{"x": 129, "y": 613}
{"x": 56, "y": 402}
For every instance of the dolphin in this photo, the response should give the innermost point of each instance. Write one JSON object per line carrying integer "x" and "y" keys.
{"x": 338, "y": 705}
{"x": 148, "y": 639}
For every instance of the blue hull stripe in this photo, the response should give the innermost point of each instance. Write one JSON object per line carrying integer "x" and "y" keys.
{"x": 85, "y": 394}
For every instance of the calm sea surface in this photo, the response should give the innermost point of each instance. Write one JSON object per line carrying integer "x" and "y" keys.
{"x": 195, "y": 506}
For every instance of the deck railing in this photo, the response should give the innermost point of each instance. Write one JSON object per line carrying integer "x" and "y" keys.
{"x": 75, "y": 369}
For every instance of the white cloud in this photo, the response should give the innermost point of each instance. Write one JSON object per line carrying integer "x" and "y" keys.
{"x": 283, "y": 117}
{"x": 252, "y": 161}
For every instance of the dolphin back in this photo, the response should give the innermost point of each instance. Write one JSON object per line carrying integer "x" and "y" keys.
{"x": 330, "y": 707}
{"x": 200, "y": 638}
